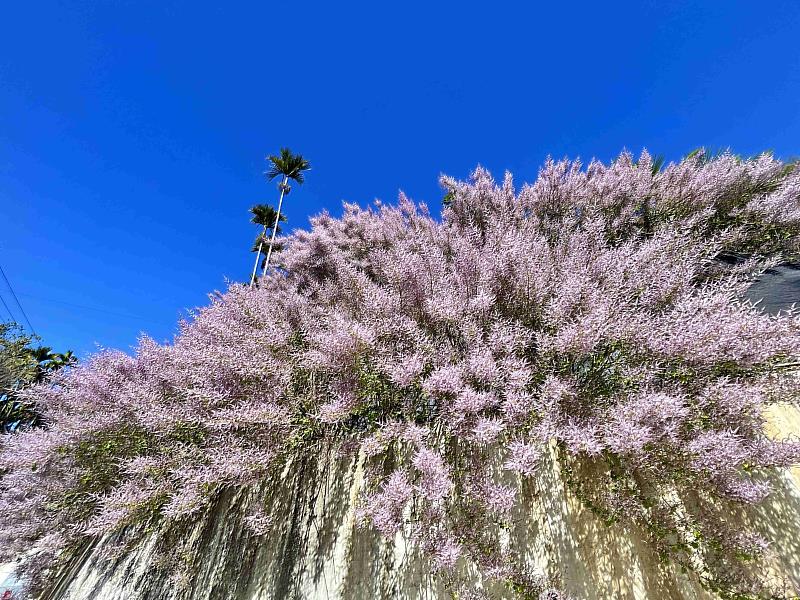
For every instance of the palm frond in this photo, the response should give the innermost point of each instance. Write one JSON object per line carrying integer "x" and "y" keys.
{"x": 705, "y": 155}
{"x": 288, "y": 165}
{"x": 658, "y": 164}
{"x": 264, "y": 215}
{"x": 260, "y": 243}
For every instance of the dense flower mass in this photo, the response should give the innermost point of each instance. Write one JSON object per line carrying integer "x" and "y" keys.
{"x": 594, "y": 315}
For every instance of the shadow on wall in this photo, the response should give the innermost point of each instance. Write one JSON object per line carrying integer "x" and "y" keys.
{"x": 316, "y": 550}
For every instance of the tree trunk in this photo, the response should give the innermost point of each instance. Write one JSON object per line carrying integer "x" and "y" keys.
{"x": 258, "y": 255}
{"x": 275, "y": 227}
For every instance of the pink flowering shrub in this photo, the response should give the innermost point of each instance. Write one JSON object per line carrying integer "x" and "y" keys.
{"x": 594, "y": 315}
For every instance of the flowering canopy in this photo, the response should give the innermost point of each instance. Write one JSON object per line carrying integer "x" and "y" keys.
{"x": 596, "y": 311}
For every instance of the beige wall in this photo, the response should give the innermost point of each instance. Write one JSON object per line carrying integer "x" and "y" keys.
{"x": 316, "y": 551}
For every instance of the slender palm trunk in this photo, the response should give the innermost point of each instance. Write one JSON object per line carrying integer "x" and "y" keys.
{"x": 258, "y": 255}
{"x": 275, "y": 227}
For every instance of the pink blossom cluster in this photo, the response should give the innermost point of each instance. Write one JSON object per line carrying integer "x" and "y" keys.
{"x": 595, "y": 310}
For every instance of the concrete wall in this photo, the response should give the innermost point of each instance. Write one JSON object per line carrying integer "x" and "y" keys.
{"x": 316, "y": 551}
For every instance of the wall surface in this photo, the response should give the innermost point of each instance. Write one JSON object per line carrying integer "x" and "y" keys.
{"x": 315, "y": 550}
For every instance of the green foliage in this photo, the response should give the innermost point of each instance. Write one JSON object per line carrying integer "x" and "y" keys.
{"x": 23, "y": 364}
{"x": 288, "y": 165}
{"x": 193, "y": 434}
{"x": 98, "y": 459}
{"x": 265, "y": 215}
{"x": 16, "y": 356}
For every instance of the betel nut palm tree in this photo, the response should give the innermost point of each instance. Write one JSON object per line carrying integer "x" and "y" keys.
{"x": 287, "y": 166}
{"x": 266, "y": 216}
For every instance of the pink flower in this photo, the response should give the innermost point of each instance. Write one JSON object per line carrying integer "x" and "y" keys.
{"x": 523, "y": 458}
{"x": 447, "y": 554}
{"x": 486, "y": 430}
{"x": 435, "y": 483}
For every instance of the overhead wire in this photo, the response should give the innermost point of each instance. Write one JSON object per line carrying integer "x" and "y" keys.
{"x": 13, "y": 293}
{"x": 8, "y": 310}
{"x": 91, "y": 308}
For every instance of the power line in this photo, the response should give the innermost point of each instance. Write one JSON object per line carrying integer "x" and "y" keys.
{"x": 22, "y": 310}
{"x": 93, "y": 308}
{"x": 8, "y": 310}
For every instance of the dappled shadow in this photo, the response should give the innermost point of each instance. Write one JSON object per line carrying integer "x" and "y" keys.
{"x": 315, "y": 549}
{"x": 556, "y": 535}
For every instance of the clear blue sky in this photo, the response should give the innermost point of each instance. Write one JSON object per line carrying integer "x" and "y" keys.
{"x": 133, "y": 134}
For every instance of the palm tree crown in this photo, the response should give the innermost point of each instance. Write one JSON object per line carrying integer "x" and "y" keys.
{"x": 287, "y": 164}
{"x": 265, "y": 215}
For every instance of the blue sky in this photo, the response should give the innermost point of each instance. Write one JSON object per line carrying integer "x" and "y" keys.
{"x": 133, "y": 134}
